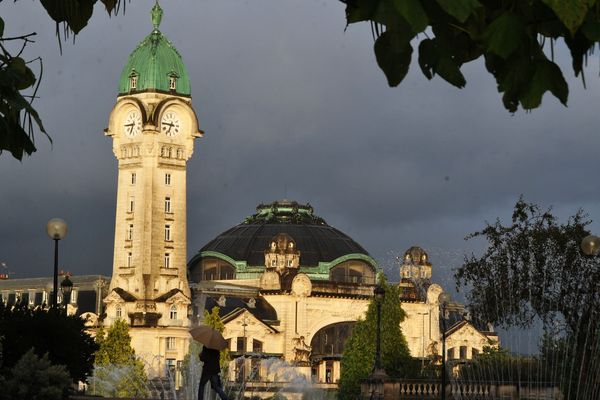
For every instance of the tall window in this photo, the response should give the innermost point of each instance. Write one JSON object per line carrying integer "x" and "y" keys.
{"x": 168, "y": 179}
{"x": 129, "y": 258}
{"x": 130, "y": 232}
{"x": 118, "y": 312}
{"x": 131, "y": 204}
{"x": 173, "y": 312}
{"x": 463, "y": 352}
{"x": 241, "y": 344}
{"x": 167, "y": 204}
{"x": 133, "y": 81}
{"x": 133, "y": 178}
{"x": 450, "y": 354}
{"x": 172, "y": 82}
{"x": 170, "y": 343}
{"x": 167, "y": 260}
{"x": 168, "y": 233}
{"x": 74, "y": 296}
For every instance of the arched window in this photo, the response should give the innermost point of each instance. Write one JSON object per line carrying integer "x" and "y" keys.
{"x": 330, "y": 340}
{"x": 353, "y": 271}
{"x": 173, "y": 82}
{"x": 179, "y": 153}
{"x": 216, "y": 269}
{"x": 118, "y": 312}
{"x": 173, "y": 312}
{"x": 133, "y": 79}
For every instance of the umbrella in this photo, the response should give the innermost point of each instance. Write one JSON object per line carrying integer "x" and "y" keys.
{"x": 209, "y": 337}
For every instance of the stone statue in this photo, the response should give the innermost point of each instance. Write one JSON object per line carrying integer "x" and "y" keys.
{"x": 301, "y": 351}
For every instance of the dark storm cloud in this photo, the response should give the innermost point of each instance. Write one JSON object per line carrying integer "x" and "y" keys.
{"x": 290, "y": 104}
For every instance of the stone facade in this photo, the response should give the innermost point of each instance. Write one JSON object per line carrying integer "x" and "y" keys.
{"x": 153, "y": 132}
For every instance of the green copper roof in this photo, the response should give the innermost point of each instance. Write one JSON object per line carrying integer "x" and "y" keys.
{"x": 154, "y": 64}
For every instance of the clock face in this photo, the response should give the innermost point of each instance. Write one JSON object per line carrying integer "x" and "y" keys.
{"x": 170, "y": 123}
{"x": 133, "y": 124}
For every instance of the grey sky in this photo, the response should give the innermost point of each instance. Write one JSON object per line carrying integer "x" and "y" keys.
{"x": 289, "y": 99}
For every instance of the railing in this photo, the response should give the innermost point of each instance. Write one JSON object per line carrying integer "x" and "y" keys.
{"x": 401, "y": 389}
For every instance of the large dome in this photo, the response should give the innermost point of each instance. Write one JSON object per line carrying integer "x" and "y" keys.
{"x": 155, "y": 65}
{"x": 316, "y": 241}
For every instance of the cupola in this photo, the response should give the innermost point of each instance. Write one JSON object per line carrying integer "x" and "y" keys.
{"x": 155, "y": 65}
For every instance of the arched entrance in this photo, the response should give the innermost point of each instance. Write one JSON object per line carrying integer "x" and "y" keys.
{"x": 327, "y": 348}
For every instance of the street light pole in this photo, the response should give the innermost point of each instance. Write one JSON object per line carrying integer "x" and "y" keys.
{"x": 443, "y": 300}
{"x": 379, "y": 296}
{"x": 423, "y": 342}
{"x": 55, "y": 285}
{"x": 56, "y": 229}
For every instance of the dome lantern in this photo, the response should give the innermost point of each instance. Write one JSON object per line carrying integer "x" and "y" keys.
{"x": 155, "y": 65}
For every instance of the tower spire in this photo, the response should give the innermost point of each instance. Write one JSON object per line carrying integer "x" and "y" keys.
{"x": 157, "y": 14}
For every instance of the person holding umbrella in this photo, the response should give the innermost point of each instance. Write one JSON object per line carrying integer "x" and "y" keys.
{"x": 212, "y": 342}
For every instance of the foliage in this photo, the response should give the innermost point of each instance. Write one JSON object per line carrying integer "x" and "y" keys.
{"x": 18, "y": 83}
{"x": 35, "y": 378}
{"x": 533, "y": 270}
{"x": 359, "y": 352}
{"x": 17, "y": 115}
{"x": 46, "y": 331}
{"x": 117, "y": 371}
{"x": 213, "y": 320}
{"x": 497, "y": 364}
{"x": 513, "y": 37}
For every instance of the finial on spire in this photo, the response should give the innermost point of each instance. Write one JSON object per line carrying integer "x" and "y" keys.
{"x": 157, "y": 14}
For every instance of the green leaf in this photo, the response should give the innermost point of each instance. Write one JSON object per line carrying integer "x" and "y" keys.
{"x": 393, "y": 53}
{"x": 413, "y": 12}
{"x": 591, "y": 30}
{"x": 76, "y": 13}
{"x": 572, "y": 13}
{"x": 22, "y": 76}
{"x": 15, "y": 139}
{"x": 435, "y": 59}
{"x": 109, "y": 5}
{"x": 361, "y": 10}
{"x": 504, "y": 35}
{"x": 1, "y": 27}
{"x": 547, "y": 77}
{"x": 459, "y": 9}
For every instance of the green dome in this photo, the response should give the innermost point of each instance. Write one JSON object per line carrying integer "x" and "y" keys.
{"x": 155, "y": 65}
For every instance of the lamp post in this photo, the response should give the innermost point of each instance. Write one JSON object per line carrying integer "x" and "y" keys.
{"x": 423, "y": 341}
{"x": 443, "y": 299}
{"x": 66, "y": 286}
{"x": 378, "y": 370}
{"x": 56, "y": 229}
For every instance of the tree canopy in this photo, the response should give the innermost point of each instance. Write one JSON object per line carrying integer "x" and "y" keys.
{"x": 34, "y": 377}
{"x": 359, "y": 351}
{"x": 515, "y": 38}
{"x": 534, "y": 271}
{"x": 117, "y": 371}
{"x": 63, "y": 338}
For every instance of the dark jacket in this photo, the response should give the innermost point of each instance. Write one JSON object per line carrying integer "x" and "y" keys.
{"x": 210, "y": 358}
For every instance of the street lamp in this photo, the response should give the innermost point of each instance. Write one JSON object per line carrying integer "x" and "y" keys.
{"x": 66, "y": 286}
{"x": 443, "y": 299}
{"x": 423, "y": 341}
{"x": 56, "y": 229}
{"x": 591, "y": 245}
{"x": 378, "y": 370}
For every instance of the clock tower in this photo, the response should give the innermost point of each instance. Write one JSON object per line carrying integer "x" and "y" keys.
{"x": 153, "y": 127}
